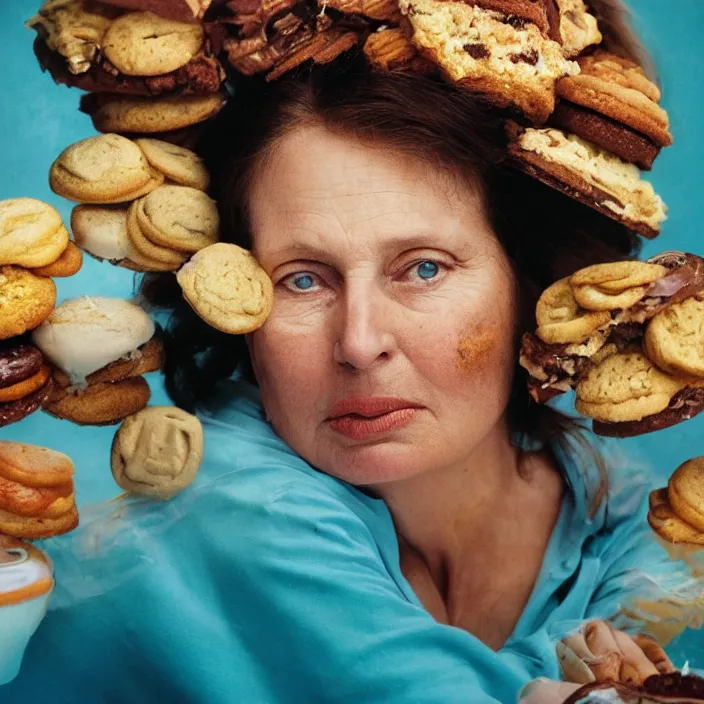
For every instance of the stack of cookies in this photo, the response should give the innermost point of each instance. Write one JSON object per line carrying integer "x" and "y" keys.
{"x": 145, "y": 73}
{"x": 36, "y": 492}
{"x": 99, "y": 348}
{"x": 143, "y": 202}
{"x": 606, "y": 126}
{"x": 627, "y": 337}
{"x": 677, "y": 514}
{"x": 34, "y": 246}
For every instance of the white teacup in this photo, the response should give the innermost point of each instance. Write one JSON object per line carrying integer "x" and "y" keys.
{"x": 26, "y": 583}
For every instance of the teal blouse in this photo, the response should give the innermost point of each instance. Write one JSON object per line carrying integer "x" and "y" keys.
{"x": 267, "y": 581}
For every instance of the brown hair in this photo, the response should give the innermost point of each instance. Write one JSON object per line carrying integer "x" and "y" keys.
{"x": 545, "y": 234}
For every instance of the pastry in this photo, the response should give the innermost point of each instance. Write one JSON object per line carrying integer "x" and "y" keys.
{"x": 614, "y": 105}
{"x": 686, "y": 492}
{"x": 26, "y": 584}
{"x": 227, "y": 288}
{"x": 674, "y": 339}
{"x": 180, "y": 165}
{"x": 104, "y": 169}
{"x": 103, "y": 403}
{"x": 85, "y": 334}
{"x": 157, "y": 452}
{"x": 587, "y": 173}
{"x": 31, "y": 233}
{"x": 100, "y": 49}
{"x": 169, "y": 258}
{"x": 626, "y": 395}
{"x": 68, "y": 264}
{"x": 26, "y": 300}
{"x": 501, "y": 49}
{"x": 179, "y": 218}
{"x": 115, "y": 113}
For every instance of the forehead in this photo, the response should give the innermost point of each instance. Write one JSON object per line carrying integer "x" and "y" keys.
{"x": 321, "y": 186}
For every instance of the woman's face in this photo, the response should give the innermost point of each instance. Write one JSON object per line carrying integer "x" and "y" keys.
{"x": 389, "y": 351}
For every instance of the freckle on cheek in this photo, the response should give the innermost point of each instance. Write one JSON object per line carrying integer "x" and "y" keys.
{"x": 477, "y": 347}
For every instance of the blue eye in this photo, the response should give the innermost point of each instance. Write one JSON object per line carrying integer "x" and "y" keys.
{"x": 427, "y": 270}
{"x": 301, "y": 282}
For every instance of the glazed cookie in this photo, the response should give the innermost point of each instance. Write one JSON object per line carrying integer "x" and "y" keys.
{"x": 685, "y": 492}
{"x": 19, "y": 361}
{"x": 227, "y": 288}
{"x": 148, "y": 115}
{"x": 157, "y": 452}
{"x": 34, "y": 466}
{"x": 68, "y": 264}
{"x": 144, "y": 44}
{"x": 26, "y": 300}
{"x": 178, "y": 217}
{"x": 103, "y": 169}
{"x": 178, "y": 164}
{"x": 31, "y": 233}
{"x": 165, "y": 256}
{"x": 626, "y": 387}
{"x": 674, "y": 339}
{"x": 561, "y": 320}
{"x": 613, "y": 286}
{"x": 100, "y": 404}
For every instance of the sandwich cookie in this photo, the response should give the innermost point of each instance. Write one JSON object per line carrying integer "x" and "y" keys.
{"x": 104, "y": 169}
{"x": 227, "y": 288}
{"x": 578, "y": 28}
{"x": 627, "y": 395}
{"x": 26, "y": 584}
{"x": 489, "y": 48}
{"x": 157, "y": 452}
{"x": 614, "y": 105}
{"x": 31, "y": 233}
{"x": 135, "y": 114}
{"x": 36, "y": 491}
{"x": 26, "y": 300}
{"x": 589, "y": 174}
{"x": 168, "y": 259}
{"x": 180, "y": 165}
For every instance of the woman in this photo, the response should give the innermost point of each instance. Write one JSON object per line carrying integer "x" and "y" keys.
{"x": 385, "y": 519}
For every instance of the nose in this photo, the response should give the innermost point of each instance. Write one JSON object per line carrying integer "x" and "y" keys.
{"x": 365, "y": 337}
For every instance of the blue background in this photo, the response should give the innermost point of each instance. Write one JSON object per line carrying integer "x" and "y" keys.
{"x": 39, "y": 119}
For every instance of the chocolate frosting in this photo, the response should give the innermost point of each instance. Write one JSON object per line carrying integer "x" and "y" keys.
{"x": 18, "y": 362}
{"x": 674, "y": 688}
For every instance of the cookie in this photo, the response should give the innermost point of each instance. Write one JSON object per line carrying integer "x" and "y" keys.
{"x": 149, "y": 115}
{"x": 31, "y": 233}
{"x": 626, "y": 387}
{"x": 685, "y": 492}
{"x": 19, "y": 361}
{"x": 512, "y": 63}
{"x": 107, "y": 168}
{"x": 614, "y": 285}
{"x": 15, "y": 411}
{"x": 157, "y": 452}
{"x": 590, "y": 175}
{"x": 144, "y": 44}
{"x": 612, "y": 136}
{"x": 674, "y": 339}
{"x": 100, "y": 404}
{"x": 25, "y": 574}
{"x": 85, "y": 334}
{"x": 180, "y": 165}
{"x": 34, "y": 466}
{"x": 26, "y": 387}
{"x": 391, "y": 50}
{"x": 227, "y": 288}
{"x": 179, "y": 217}
{"x": 560, "y": 318}
{"x": 181, "y": 10}
{"x": 68, "y": 264}
{"x": 382, "y": 10}
{"x": 578, "y": 28}
{"x": 32, "y": 528}
{"x": 26, "y": 300}
{"x": 148, "y": 249}
{"x": 619, "y": 91}
{"x": 41, "y": 502}
{"x": 147, "y": 358}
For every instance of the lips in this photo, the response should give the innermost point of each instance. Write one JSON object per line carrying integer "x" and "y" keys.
{"x": 362, "y": 418}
